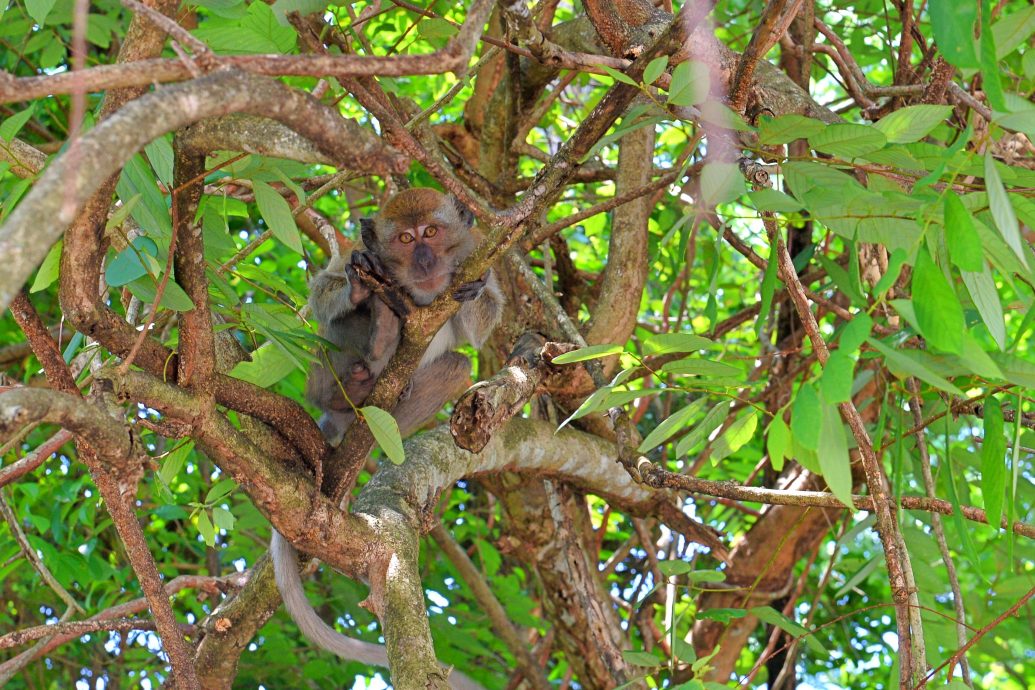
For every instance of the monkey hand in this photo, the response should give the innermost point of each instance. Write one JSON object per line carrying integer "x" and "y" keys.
{"x": 470, "y": 291}
{"x": 372, "y": 276}
{"x": 370, "y": 263}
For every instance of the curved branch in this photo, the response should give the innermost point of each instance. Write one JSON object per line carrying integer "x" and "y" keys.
{"x": 76, "y": 175}
{"x": 21, "y": 406}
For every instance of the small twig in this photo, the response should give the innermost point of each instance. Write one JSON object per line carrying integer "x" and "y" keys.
{"x": 936, "y": 526}
{"x": 77, "y": 628}
{"x": 954, "y": 659}
{"x": 34, "y": 458}
{"x": 203, "y": 55}
{"x": 30, "y": 555}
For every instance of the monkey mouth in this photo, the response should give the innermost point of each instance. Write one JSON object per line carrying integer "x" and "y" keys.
{"x": 434, "y": 282}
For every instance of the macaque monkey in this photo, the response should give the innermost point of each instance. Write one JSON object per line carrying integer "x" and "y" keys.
{"x": 415, "y": 244}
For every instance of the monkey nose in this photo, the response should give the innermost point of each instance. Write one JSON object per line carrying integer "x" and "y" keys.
{"x": 423, "y": 258}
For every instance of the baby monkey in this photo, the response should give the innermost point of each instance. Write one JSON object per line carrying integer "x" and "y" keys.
{"x": 414, "y": 245}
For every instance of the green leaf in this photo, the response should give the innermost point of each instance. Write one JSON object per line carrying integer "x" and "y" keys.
{"x": 386, "y": 432}
{"x": 701, "y": 367}
{"x": 436, "y": 29}
{"x": 721, "y": 615}
{"x": 39, "y": 9}
{"x": 634, "y": 658}
{"x": 787, "y": 128}
{"x": 129, "y": 264}
{"x": 983, "y": 291}
{"x": 993, "y": 463}
{"x": 49, "y": 269}
{"x": 712, "y": 421}
{"x": 205, "y": 528}
{"x": 774, "y": 200}
{"x": 173, "y": 297}
{"x": 10, "y": 127}
{"x": 767, "y": 614}
{"x": 903, "y": 363}
{"x": 912, "y": 123}
{"x": 895, "y": 263}
{"x": 833, "y": 454}
{"x": 991, "y": 80}
{"x": 223, "y": 518}
{"x": 690, "y": 84}
{"x": 673, "y": 568}
{"x": 706, "y": 576}
{"x": 174, "y": 462}
{"x": 654, "y": 69}
{"x": 835, "y": 384}
{"x": 953, "y": 23}
{"x": 269, "y": 364}
{"x": 806, "y": 417}
{"x": 219, "y": 490}
{"x": 960, "y": 236}
{"x": 766, "y": 293}
{"x": 855, "y": 332}
{"x": 938, "y": 310}
{"x": 684, "y": 651}
{"x": 1002, "y": 211}
{"x": 619, "y": 76}
{"x": 734, "y": 438}
{"x": 1013, "y": 30}
{"x": 587, "y": 353}
{"x": 277, "y": 214}
{"x": 778, "y": 442}
{"x": 666, "y": 343}
{"x": 957, "y": 517}
{"x": 675, "y": 421}
{"x": 590, "y": 405}
{"x": 848, "y": 140}
{"x": 721, "y": 183}
{"x": 160, "y": 155}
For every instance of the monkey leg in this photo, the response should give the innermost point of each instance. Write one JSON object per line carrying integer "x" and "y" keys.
{"x": 434, "y": 384}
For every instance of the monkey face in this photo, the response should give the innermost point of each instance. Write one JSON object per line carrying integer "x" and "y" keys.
{"x": 422, "y": 235}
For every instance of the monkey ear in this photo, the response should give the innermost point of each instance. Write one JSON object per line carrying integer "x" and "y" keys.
{"x": 367, "y": 232}
{"x": 466, "y": 215}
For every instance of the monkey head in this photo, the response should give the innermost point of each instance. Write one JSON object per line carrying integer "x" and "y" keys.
{"x": 421, "y": 236}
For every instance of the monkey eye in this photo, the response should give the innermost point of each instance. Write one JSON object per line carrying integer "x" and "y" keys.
{"x": 430, "y": 231}
{"x": 406, "y": 238}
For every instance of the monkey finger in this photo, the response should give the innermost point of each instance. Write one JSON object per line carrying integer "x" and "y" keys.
{"x": 395, "y": 301}
{"x": 370, "y": 263}
{"x": 469, "y": 291}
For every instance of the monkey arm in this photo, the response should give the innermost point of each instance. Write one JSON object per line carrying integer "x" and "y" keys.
{"x": 331, "y": 292}
{"x": 478, "y": 317}
{"x": 435, "y": 383}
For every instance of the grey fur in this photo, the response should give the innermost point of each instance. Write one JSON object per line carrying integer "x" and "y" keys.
{"x": 367, "y": 333}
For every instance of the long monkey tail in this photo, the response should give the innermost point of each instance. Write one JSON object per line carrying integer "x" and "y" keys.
{"x": 289, "y": 582}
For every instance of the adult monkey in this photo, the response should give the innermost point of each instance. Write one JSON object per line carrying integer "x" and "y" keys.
{"x": 414, "y": 244}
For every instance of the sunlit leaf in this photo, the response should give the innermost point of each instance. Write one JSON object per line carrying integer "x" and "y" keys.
{"x": 832, "y": 449}
{"x": 587, "y": 353}
{"x": 673, "y": 423}
{"x": 912, "y": 123}
{"x": 277, "y": 214}
{"x": 654, "y": 69}
{"x": 386, "y": 432}
{"x": 961, "y": 237}
{"x": 938, "y": 310}
{"x": 1002, "y": 211}
{"x": 993, "y": 462}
